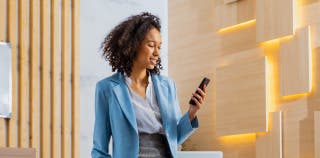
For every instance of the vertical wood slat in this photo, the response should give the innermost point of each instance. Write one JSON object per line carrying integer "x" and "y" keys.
{"x": 12, "y": 17}
{"x": 66, "y": 78}
{"x": 55, "y": 79}
{"x": 2, "y": 20}
{"x": 32, "y": 123}
{"x": 317, "y": 134}
{"x": 45, "y": 79}
{"x": 75, "y": 79}
{"x": 34, "y": 78}
{"x": 23, "y": 74}
{"x": 2, "y": 39}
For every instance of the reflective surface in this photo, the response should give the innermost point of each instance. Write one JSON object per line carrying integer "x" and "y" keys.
{"x": 5, "y": 80}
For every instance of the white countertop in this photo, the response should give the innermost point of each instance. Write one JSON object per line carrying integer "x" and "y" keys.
{"x": 200, "y": 154}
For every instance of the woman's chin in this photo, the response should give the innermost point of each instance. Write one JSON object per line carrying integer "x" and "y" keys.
{"x": 150, "y": 67}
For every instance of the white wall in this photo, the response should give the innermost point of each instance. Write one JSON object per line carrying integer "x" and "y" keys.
{"x": 97, "y": 18}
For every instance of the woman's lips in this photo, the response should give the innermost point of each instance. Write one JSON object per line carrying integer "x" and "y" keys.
{"x": 153, "y": 61}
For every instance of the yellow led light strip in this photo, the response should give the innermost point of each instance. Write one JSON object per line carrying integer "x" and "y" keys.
{"x": 238, "y": 26}
{"x": 294, "y": 96}
{"x": 239, "y": 137}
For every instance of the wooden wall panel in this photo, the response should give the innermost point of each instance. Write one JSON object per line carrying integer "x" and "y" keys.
{"x": 317, "y": 134}
{"x": 308, "y": 15}
{"x": 17, "y": 153}
{"x": 12, "y": 10}
{"x": 35, "y": 74}
{"x": 229, "y": 1}
{"x": 242, "y": 97}
{"x": 66, "y": 79}
{"x": 3, "y": 20}
{"x": 55, "y": 61}
{"x": 44, "y": 35}
{"x": 298, "y": 127}
{"x": 269, "y": 144}
{"x": 75, "y": 79}
{"x": 273, "y": 21}
{"x": 45, "y": 146}
{"x": 295, "y": 64}
{"x": 23, "y": 79}
{"x": 2, "y": 39}
{"x": 228, "y": 14}
{"x": 204, "y": 48}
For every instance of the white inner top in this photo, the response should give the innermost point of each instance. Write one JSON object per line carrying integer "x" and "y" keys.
{"x": 147, "y": 111}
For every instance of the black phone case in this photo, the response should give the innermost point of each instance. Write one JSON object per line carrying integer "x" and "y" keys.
{"x": 205, "y": 81}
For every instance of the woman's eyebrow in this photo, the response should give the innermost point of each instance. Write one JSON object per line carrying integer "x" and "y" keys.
{"x": 153, "y": 41}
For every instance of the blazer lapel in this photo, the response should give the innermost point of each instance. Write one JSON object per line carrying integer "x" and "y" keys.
{"x": 122, "y": 94}
{"x": 123, "y": 97}
{"x": 161, "y": 90}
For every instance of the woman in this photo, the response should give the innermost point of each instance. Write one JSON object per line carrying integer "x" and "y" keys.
{"x": 137, "y": 106}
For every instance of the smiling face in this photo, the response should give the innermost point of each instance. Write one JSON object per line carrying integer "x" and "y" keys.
{"x": 149, "y": 50}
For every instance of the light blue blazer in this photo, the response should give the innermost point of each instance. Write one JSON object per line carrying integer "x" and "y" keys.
{"x": 114, "y": 116}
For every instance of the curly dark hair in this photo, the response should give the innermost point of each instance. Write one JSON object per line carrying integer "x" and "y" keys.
{"x": 120, "y": 46}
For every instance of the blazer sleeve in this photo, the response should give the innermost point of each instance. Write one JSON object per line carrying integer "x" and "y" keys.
{"x": 102, "y": 130}
{"x": 185, "y": 127}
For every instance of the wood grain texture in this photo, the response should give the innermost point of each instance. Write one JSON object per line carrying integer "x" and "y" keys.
{"x": 66, "y": 79}
{"x": 45, "y": 80}
{"x": 17, "y": 153}
{"x": 24, "y": 78}
{"x": 273, "y": 21}
{"x": 201, "y": 44}
{"x": 229, "y": 1}
{"x": 35, "y": 74}
{"x": 202, "y": 49}
{"x": 242, "y": 97}
{"x": 269, "y": 144}
{"x": 233, "y": 13}
{"x": 55, "y": 86}
{"x": 12, "y": 129}
{"x": 75, "y": 78}
{"x": 2, "y": 39}
{"x": 317, "y": 134}
{"x": 44, "y": 46}
{"x": 308, "y": 15}
{"x": 298, "y": 132}
{"x": 295, "y": 64}
{"x": 3, "y": 20}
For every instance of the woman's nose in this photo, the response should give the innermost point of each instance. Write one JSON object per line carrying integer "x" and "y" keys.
{"x": 156, "y": 52}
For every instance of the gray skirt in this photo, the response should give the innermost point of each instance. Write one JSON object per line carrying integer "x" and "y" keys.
{"x": 153, "y": 146}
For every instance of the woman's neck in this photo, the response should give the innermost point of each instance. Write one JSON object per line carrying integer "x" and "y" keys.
{"x": 139, "y": 76}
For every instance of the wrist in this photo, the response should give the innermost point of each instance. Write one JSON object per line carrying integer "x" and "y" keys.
{"x": 191, "y": 115}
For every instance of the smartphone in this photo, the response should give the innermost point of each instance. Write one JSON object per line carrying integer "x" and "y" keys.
{"x": 205, "y": 81}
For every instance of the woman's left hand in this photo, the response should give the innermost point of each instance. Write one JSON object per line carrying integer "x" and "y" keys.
{"x": 199, "y": 100}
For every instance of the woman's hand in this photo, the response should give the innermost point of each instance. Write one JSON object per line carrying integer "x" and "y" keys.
{"x": 199, "y": 100}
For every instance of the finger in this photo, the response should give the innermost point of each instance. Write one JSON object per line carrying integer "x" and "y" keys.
{"x": 202, "y": 93}
{"x": 197, "y": 102}
{"x": 198, "y": 97}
